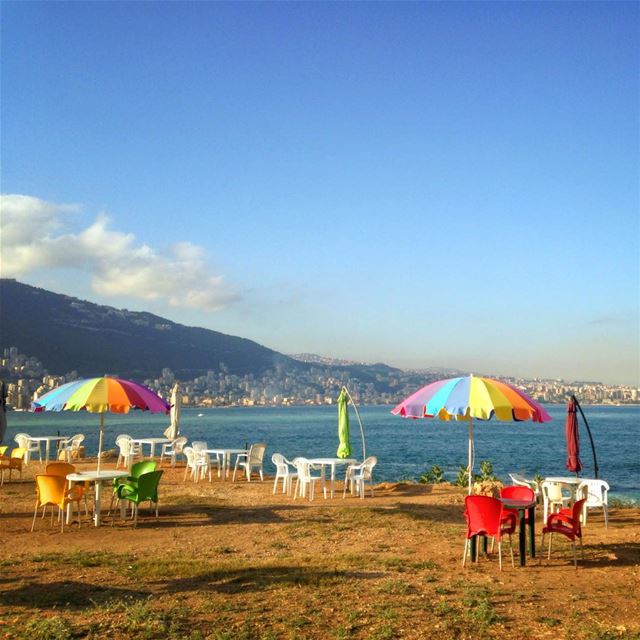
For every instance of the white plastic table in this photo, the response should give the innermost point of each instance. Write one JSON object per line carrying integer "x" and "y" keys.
{"x": 152, "y": 442}
{"x": 331, "y": 462}
{"x": 226, "y": 457}
{"x": 47, "y": 440}
{"x": 572, "y": 480}
{"x": 97, "y": 478}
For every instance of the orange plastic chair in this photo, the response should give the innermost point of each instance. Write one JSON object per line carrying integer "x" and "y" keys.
{"x": 567, "y": 525}
{"x": 486, "y": 516}
{"x": 14, "y": 461}
{"x": 52, "y": 490}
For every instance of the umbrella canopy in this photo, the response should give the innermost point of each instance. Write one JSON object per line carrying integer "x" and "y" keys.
{"x": 98, "y": 395}
{"x": 573, "y": 439}
{"x": 176, "y": 403}
{"x": 469, "y": 397}
{"x": 344, "y": 448}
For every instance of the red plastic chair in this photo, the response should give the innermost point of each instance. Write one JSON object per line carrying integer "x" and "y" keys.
{"x": 518, "y": 493}
{"x": 486, "y": 516}
{"x": 567, "y": 525}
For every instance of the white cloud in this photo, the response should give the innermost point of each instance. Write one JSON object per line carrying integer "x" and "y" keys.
{"x": 34, "y": 237}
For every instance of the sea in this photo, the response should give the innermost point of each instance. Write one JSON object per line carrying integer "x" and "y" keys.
{"x": 404, "y": 448}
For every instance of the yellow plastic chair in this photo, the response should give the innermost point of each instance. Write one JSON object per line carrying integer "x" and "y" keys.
{"x": 63, "y": 469}
{"x": 14, "y": 461}
{"x": 3, "y": 449}
{"x": 52, "y": 490}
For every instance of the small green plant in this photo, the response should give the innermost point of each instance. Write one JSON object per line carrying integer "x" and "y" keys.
{"x": 462, "y": 476}
{"x": 434, "y": 475}
{"x": 486, "y": 471}
{"x": 55, "y": 628}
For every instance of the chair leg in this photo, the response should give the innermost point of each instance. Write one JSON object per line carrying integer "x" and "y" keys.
{"x": 550, "y": 538}
{"x": 606, "y": 516}
{"x": 575, "y": 558}
{"x": 513, "y": 564}
{"x": 500, "y": 554}
{"x": 275, "y": 484}
{"x": 35, "y": 511}
{"x": 541, "y": 550}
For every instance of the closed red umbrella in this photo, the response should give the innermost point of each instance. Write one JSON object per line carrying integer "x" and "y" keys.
{"x": 573, "y": 439}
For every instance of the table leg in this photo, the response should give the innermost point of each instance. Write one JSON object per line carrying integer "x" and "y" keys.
{"x": 473, "y": 545}
{"x": 98, "y": 487}
{"x": 485, "y": 546}
{"x": 68, "y": 515}
{"x": 532, "y": 532}
{"x": 333, "y": 479}
{"x": 522, "y": 538}
{"x": 46, "y": 451}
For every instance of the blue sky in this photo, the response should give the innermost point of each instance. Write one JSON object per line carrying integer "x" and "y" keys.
{"x": 425, "y": 184}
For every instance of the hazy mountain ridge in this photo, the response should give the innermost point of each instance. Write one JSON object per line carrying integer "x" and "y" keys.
{"x": 67, "y": 333}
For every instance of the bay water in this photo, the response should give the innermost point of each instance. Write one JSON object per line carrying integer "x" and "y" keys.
{"x": 405, "y": 448}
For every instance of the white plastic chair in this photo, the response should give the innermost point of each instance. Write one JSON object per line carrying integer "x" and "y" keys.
{"x": 250, "y": 461}
{"x": 23, "y": 440}
{"x": 173, "y": 449}
{"x": 198, "y": 463}
{"x": 596, "y": 495}
{"x": 283, "y": 472}
{"x": 520, "y": 481}
{"x": 127, "y": 451}
{"x": 553, "y": 498}
{"x": 305, "y": 479}
{"x": 358, "y": 475}
{"x": 68, "y": 446}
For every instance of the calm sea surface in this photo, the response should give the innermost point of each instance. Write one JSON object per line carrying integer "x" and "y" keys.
{"x": 404, "y": 448}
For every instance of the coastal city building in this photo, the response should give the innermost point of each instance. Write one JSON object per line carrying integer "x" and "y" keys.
{"x": 318, "y": 384}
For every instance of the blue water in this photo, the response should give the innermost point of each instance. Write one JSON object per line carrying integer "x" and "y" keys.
{"x": 405, "y": 448}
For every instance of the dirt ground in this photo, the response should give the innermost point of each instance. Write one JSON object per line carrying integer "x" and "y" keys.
{"x": 231, "y": 560}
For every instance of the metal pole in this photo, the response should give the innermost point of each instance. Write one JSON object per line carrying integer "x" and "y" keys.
{"x": 586, "y": 424}
{"x": 100, "y": 440}
{"x": 364, "y": 449}
{"x": 470, "y": 453}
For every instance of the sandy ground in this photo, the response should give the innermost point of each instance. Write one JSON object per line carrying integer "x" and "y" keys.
{"x": 232, "y": 560}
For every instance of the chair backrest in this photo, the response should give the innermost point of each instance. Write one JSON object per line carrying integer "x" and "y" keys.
{"x": 483, "y": 515}
{"x": 191, "y": 456}
{"x": 123, "y": 442}
{"x": 77, "y": 440}
{"x": 552, "y": 491}
{"x": 148, "y": 485}
{"x": 256, "y": 453}
{"x": 367, "y": 467}
{"x": 596, "y": 492}
{"x": 178, "y": 443}
{"x": 303, "y": 468}
{"x": 517, "y": 492}
{"x": 50, "y": 490}
{"x": 3, "y": 449}
{"x": 18, "y": 452}
{"x": 198, "y": 445}
{"x": 281, "y": 464}
{"x": 144, "y": 466}
{"x": 22, "y": 440}
{"x": 62, "y": 469}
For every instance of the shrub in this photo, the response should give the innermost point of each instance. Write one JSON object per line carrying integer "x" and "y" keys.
{"x": 432, "y": 476}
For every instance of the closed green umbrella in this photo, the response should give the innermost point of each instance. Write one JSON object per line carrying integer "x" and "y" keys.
{"x": 344, "y": 448}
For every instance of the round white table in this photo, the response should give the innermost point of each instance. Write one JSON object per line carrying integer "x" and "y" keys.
{"x": 331, "y": 462}
{"x": 97, "y": 478}
{"x": 225, "y": 454}
{"x": 152, "y": 442}
{"x": 47, "y": 440}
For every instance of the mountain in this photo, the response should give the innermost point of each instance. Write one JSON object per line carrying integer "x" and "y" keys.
{"x": 66, "y": 333}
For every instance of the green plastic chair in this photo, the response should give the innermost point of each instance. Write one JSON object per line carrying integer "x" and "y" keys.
{"x": 146, "y": 488}
{"x": 144, "y": 466}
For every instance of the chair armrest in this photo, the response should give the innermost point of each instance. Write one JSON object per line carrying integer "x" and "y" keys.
{"x": 125, "y": 490}
{"x": 562, "y": 518}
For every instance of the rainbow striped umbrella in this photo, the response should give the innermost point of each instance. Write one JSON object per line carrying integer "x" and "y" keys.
{"x": 98, "y": 395}
{"x": 470, "y": 397}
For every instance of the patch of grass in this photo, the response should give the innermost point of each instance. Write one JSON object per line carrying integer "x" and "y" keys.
{"x": 168, "y": 568}
{"x": 549, "y": 622}
{"x": 481, "y": 610}
{"x": 56, "y": 628}
{"x": 611, "y": 633}
{"x": 395, "y": 587}
{"x": 225, "y": 550}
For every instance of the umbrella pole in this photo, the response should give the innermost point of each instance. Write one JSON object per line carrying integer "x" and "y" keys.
{"x": 100, "y": 440}
{"x": 470, "y": 453}
{"x": 593, "y": 446}
{"x": 364, "y": 449}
